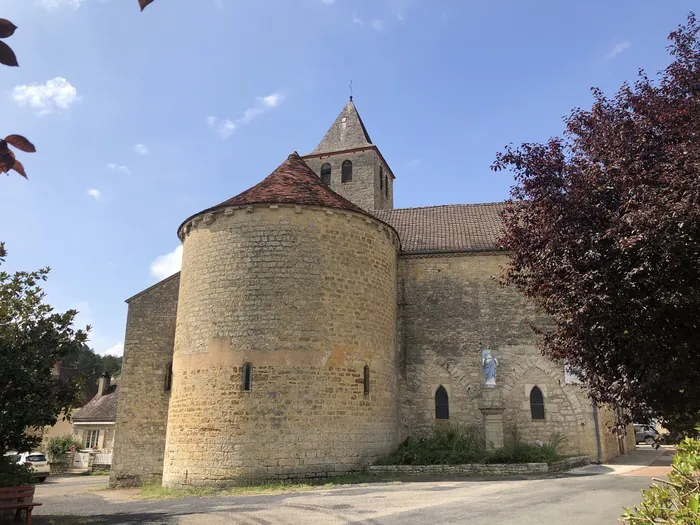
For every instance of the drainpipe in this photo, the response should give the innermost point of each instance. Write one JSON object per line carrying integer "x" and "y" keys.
{"x": 597, "y": 432}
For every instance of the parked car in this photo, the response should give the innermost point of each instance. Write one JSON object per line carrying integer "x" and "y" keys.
{"x": 645, "y": 434}
{"x": 36, "y": 461}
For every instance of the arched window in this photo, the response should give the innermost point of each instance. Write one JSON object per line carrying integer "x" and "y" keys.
{"x": 346, "y": 173}
{"x": 168, "y": 382}
{"x": 246, "y": 377}
{"x": 326, "y": 174}
{"x": 366, "y": 379}
{"x": 381, "y": 178}
{"x": 536, "y": 403}
{"x": 442, "y": 404}
{"x": 386, "y": 185}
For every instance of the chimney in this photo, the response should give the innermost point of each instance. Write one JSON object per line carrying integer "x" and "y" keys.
{"x": 103, "y": 384}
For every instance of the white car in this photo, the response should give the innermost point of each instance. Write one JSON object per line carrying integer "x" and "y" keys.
{"x": 36, "y": 461}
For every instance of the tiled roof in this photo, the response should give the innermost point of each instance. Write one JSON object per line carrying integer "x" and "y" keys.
{"x": 100, "y": 408}
{"x": 293, "y": 182}
{"x": 451, "y": 228}
{"x": 347, "y": 132}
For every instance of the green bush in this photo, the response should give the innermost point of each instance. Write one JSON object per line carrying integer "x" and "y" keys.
{"x": 677, "y": 500}
{"x": 519, "y": 452}
{"x": 12, "y": 474}
{"x": 58, "y": 446}
{"x": 443, "y": 445}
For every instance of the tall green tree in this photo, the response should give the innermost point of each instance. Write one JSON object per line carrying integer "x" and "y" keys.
{"x": 33, "y": 337}
{"x": 603, "y": 231}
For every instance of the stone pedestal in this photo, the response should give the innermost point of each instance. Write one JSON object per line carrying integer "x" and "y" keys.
{"x": 491, "y": 406}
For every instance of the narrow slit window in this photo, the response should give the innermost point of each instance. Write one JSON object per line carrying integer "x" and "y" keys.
{"x": 442, "y": 404}
{"x": 247, "y": 377}
{"x": 366, "y": 379}
{"x": 536, "y": 403}
{"x": 346, "y": 173}
{"x": 381, "y": 178}
{"x": 168, "y": 382}
{"x": 326, "y": 174}
{"x": 386, "y": 185}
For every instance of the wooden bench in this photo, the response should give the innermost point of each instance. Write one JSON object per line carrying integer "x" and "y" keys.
{"x": 23, "y": 495}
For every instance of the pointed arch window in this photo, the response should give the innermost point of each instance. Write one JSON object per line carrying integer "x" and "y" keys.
{"x": 366, "y": 379}
{"x": 442, "y": 404}
{"x": 536, "y": 403}
{"x": 246, "y": 377}
{"x": 326, "y": 174}
{"x": 168, "y": 382}
{"x": 346, "y": 173}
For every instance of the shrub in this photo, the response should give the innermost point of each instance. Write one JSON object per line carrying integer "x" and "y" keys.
{"x": 12, "y": 474}
{"x": 58, "y": 446}
{"x": 677, "y": 500}
{"x": 443, "y": 445}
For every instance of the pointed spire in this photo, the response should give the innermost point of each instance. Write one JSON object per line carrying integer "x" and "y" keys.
{"x": 347, "y": 132}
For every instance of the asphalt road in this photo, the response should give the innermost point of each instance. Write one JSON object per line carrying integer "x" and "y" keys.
{"x": 570, "y": 500}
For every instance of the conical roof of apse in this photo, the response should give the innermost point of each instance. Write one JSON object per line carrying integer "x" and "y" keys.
{"x": 293, "y": 182}
{"x": 347, "y": 132}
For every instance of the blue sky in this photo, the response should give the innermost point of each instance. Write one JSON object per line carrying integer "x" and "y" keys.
{"x": 142, "y": 119}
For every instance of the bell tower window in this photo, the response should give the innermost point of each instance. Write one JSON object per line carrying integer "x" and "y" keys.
{"x": 326, "y": 174}
{"x": 346, "y": 173}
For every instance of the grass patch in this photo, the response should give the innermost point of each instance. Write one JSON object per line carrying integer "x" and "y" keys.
{"x": 459, "y": 445}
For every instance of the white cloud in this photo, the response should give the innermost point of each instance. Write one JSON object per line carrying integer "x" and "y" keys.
{"x": 377, "y": 25}
{"x": 618, "y": 49}
{"x": 357, "y": 20}
{"x": 226, "y": 127}
{"x": 168, "y": 264}
{"x": 399, "y": 7}
{"x": 52, "y": 5}
{"x": 56, "y": 93}
{"x": 115, "y": 350}
{"x": 141, "y": 149}
{"x": 116, "y": 167}
{"x": 95, "y": 194}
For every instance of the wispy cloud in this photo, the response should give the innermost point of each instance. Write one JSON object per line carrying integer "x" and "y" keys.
{"x": 399, "y": 8}
{"x": 377, "y": 25}
{"x": 52, "y": 5}
{"x": 618, "y": 49}
{"x": 115, "y": 350}
{"x": 116, "y": 167}
{"x": 357, "y": 20}
{"x": 413, "y": 164}
{"x": 141, "y": 149}
{"x": 94, "y": 193}
{"x": 328, "y": 2}
{"x": 168, "y": 264}
{"x": 226, "y": 127}
{"x": 46, "y": 98}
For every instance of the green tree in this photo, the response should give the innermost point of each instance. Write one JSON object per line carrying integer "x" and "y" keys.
{"x": 32, "y": 339}
{"x": 603, "y": 232}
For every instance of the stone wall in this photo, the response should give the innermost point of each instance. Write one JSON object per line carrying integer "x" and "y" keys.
{"x": 449, "y": 307}
{"x": 142, "y": 410}
{"x": 307, "y": 296}
{"x": 365, "y": 190}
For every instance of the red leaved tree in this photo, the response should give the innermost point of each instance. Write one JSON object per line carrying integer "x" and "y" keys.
{"x": 603, "y": 230}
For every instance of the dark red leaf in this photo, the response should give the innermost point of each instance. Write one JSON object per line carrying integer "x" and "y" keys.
{"x": 7, "y": 28}
{"x": 19, "y": 168}
{"x": 21, "y": 143}
{"x": 144, "y": 3}
{"x": 4, "y": 150}
{"x": 7, "y": 56}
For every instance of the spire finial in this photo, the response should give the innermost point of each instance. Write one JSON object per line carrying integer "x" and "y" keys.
{"x": 350, "y": 90}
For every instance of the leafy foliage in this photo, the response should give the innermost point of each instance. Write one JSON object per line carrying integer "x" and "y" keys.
{"x": 86, "y": 365}
{"x": 7, "y": 56}
{"x": 458, "y": 445}
{"x": 144, "y": 3}
{"x": 12, "y": 474}
{"x": 603, "y": 231}
{"x": 677, "y": 500}
{"x": 58, "y": 446}
{"x": 32, "y": 339}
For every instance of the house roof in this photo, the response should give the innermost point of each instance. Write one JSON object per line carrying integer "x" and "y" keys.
{"x": 293, "y": 182}
{"x": 347, "y": 132}
{"x": 100, "y": 408}
{"x": 451, "y": 228}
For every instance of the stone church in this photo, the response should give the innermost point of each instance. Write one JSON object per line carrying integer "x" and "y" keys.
{"x": 313, "y": 327}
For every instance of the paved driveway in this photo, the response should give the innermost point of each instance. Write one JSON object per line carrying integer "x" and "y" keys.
{"x": 590, "y": 497}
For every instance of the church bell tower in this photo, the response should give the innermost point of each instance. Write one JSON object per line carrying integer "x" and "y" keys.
{"x": 349, "y": 163}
